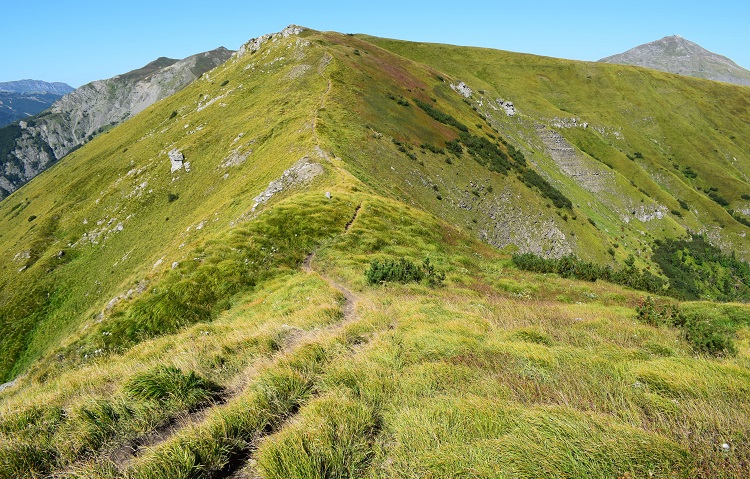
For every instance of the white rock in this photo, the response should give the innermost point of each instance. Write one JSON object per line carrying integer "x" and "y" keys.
{"x": 177, "y": 159}
{"x": 462, "y": 89}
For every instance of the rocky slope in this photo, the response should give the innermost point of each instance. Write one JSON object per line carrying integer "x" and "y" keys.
{"x": 24, "y": 98}
{"x": 677, "y": 55}
{"x": 30, "y": 147}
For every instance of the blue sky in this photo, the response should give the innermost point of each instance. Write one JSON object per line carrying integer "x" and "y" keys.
{"x": 77, "y": 41}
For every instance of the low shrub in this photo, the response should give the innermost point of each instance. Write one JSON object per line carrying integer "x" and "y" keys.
{"x": 403, "y": 271}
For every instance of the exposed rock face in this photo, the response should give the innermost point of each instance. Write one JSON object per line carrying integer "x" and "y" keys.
{"x": 462, "y": 89}
{"x": 79, "y": 116}
{"x": 254, "y": 44}
{"x": 676, "y": 55}
{"x": 302, "y": 172}
{"x": 591, "y": 175}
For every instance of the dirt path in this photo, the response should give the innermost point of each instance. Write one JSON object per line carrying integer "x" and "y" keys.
{"x": 124, "y": 455}
{"x": 317, "y": 112}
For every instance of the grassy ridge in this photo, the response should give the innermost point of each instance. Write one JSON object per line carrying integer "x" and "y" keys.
{"x": 211, "y": 336}
{"x": 484, "y": 374}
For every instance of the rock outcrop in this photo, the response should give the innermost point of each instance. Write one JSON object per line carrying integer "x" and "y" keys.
{"x": 34, "y": 145}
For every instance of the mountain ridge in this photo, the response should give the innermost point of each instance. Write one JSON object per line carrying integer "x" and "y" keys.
{"x": 36, "y": 86}
{"x": 674, "y": 54}
{"x": 24, "y": 98}
{"x": 304, "y": 263}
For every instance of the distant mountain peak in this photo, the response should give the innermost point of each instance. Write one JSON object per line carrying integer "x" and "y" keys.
{"x": 675, "y": 54}
{"x": 35, "y": 86}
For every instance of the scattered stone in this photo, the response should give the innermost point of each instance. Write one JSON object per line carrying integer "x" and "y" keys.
{"x": 7, "y": 385}
{"x": 508, "y": 106}
{"x": 328, "y": 195}
{"x": 175, "y": 265}
{"x": 462, "y": 89}
{"x": 302, "y": 172}
{"x": 177, "y": 159}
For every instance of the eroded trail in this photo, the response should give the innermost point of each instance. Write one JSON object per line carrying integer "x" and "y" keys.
{"x": 130, "y": 457}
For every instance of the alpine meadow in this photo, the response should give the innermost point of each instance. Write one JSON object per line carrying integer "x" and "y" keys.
{"x": 342, "y": 256}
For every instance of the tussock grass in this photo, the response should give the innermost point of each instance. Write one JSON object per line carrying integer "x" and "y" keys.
{"x": 329, "y": 438}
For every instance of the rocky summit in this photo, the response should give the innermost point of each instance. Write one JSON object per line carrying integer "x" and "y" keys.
{"x": 675, "y": 54}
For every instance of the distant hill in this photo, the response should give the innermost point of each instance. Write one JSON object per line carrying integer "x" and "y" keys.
{"x": 36, "y": 86}
{"x": 28, "y": 148}
{"x": 24, "y": 98}
{"x": 677, "y": 55}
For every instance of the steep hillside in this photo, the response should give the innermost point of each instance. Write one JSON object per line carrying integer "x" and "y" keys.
{"x": 24, "y": 98}
{"x": 28, "y": 148}
{"x": 677, "y": 55}
{"x": 642, "y": 154}
{"x": 279, "y": 271}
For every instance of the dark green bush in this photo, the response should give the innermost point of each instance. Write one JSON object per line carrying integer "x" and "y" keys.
{"x": 403, "y": 271}
{"x": 439, "y": 115}
{"x": 689, "y": 173}
{"x": 706, "y": 336}
{"x": 698, "y": 270}
{"x": 454, "y": 146}
{"x": 572, "y": 267}
{"x": 712, "y": 193}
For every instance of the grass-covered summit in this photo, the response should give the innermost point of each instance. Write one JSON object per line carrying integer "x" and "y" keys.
{"x": 188, "y": 294}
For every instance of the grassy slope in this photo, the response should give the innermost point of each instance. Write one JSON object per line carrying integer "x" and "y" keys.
{"x": 674, "y": 122}
{"x": 316, "y": 374}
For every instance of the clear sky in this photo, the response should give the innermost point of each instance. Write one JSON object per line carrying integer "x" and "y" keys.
{"x": 77, "y": 41}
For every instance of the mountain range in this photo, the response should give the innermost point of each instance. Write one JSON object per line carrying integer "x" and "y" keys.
{"x": 675, "y": 54}
{"x": 338, "y": 255}
{"x": 29, "y": 147}
{"x": 24, "y": 98}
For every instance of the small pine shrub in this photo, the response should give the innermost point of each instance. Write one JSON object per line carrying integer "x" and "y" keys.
{"x": 454, "y": 146}
{"x": 403, "y": 271}
{"x": 704, "y": 335}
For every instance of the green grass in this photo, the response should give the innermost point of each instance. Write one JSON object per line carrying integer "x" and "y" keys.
{"x": 214, "y": 337}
